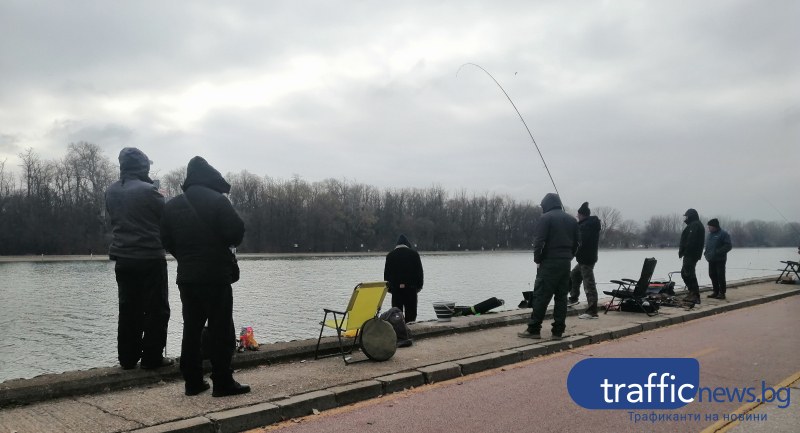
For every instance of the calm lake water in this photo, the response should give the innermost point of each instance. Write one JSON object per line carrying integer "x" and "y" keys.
{"x": 61, "y": 316}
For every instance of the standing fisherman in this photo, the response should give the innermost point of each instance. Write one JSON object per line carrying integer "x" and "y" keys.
{"x": 554, "y": 245}
{"x": 586, "y": 257}
{"x": 403, "y": 272}
{"x": 690, "y": 250}
{"x": 718, "y": 243}
{"x": 135, "y": 207}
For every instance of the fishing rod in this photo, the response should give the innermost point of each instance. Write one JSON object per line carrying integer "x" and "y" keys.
{"x": 523, "y": 122}
{"x": 791, "y": 225}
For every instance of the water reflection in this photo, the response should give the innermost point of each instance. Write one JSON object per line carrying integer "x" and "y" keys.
{"x": 61, "y": 316}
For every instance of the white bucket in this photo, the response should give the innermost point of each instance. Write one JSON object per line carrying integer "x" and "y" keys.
{"x": 444, "y": 310}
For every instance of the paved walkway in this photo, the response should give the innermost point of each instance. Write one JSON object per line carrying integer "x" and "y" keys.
{"x": 287, "y": 382}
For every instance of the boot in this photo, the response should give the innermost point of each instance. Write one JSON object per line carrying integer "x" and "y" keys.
{"x": 230, "y": 388}
{"x": 714, "y": 295}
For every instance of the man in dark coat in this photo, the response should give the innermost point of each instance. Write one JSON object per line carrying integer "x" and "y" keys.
{"x": 555, "y": 242}
{"x": 404, "y": 275}
{"x": 199, "y": 228}
{"x": 690, "y": 250}
{"x": 718, "y": 243}
{"x": 586, "y": 258}
{"x": 134, "y": 208}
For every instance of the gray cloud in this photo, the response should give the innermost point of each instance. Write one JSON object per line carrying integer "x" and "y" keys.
{"x": 647, "y": 107}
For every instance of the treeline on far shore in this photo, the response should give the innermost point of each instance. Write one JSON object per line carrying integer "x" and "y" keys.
{"x": 57, "y": 207}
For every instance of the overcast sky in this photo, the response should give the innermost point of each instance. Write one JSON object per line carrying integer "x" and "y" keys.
{"x": 649, "y": 107}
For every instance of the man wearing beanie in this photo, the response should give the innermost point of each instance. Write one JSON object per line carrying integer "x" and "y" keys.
{"x": 718, "y": 243}
{"x": 134, "y": 208}
{"x": 586, "y": 257}
{"x": 690, "y": 250}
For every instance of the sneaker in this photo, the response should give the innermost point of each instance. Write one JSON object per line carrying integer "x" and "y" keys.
{"x": 232, "y": 388}
{"x": 128, "y": 366}
{"x": 557, "y": 337}
{"x": 572, "y": 301}
{"x": 714, "y": 296}
{"x": 165, "y": 362}
{"x": 529, "y": 334}
{"x": 588, "y": 316}
{"x": 721, "y": 296}
{"x": 196, "y": 388}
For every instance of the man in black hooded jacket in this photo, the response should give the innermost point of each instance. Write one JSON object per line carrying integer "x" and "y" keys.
{"x": 199, "y": 228}
{"x": 555, "y": 242}
{"x": 134, "y": 208}
{"x": 404, "y": 275}
{"x": 691, "y": 250}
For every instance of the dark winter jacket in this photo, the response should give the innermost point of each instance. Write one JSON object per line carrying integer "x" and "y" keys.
{"x": 718, "y": 244}
{"x": 590, "y": 240}
{"x": 200, "y": 239}
{"x": 403, "y": 266}
{"x": 557, "y": 235}
{"x": 693, "y": 237}
{"x": 134, "y": 208}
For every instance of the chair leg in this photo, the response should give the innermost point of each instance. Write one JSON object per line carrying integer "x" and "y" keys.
{"x": 316, "y": 351}
{"x": 608, "y": 306}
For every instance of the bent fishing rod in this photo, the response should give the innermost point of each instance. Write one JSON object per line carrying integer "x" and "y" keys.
{"x": 523, "y": 123}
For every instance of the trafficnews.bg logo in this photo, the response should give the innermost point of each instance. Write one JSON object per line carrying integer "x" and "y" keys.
{"x": 655, "y": 383}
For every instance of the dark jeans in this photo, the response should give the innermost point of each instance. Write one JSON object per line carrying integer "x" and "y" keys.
{"x": 212, "y": 303}
{"x": 716, "y": 270}
{"x": 143, "y": 310}
{"x": 406, "y": 300}
{"x": 584, "y": 274}
{"x": 552, "y": 282}
{"x": 689, "y": 276}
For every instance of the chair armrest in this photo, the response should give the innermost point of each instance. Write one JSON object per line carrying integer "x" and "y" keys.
{"x": 327, "y": 310}
{"x": 629, "y": 280}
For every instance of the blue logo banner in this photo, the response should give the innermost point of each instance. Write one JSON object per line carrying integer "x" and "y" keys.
{"x": 634, "y": 383}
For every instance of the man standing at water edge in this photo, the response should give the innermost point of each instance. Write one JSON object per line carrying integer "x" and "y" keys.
{"x": 718, "y": 243}
{"x": 198, "y": 228}
{"x": 404, "y": 275}
{"x": 554, "y": 245}
{"x": 690, "y": 250}
{"x": 586, "y": 257}
{"x": 134, "y": 207}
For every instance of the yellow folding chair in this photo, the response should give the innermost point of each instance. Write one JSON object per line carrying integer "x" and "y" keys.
{"x": 365, "y": 303}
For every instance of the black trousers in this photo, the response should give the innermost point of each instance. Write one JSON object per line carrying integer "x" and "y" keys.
{"x": 143, "y": 310}
{"x": 552, "y": 283}
{"x": 716, "y": 271}
{"x": 406, "y": 300}
{"x": 689, "y": 275}
{"x": 212, "y": 303}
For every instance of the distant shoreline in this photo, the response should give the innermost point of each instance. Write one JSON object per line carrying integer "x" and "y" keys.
{"x": 241, "y": 256}
{"x": 257, "y": 256}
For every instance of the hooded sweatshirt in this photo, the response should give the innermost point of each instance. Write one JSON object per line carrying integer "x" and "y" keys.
{"x": 200, "y": 226}
{"x": 556, "y": 235}
{"x": 403, "y": 266}
{"x": 134, "y": 208}
{"x": 692, "y": 237}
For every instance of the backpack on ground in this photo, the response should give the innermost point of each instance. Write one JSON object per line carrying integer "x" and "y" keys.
{"x": 396, "y": 318}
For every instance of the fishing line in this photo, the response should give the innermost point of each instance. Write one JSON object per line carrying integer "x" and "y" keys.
{"x": 791, "y": 225}
{"x": 520, "y": 118}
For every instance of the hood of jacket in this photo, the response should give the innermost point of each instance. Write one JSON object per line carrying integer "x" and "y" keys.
{"x": 691, "y": 215}
{"x": 403, "y": 240}
{"x": 134, "y": 164}
{"x": 551, "y": 201}
{"x": 200, "y": 172}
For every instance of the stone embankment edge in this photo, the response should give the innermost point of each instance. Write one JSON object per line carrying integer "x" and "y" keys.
{"x": 92, "y": 381}
{"x": 264, "y": 414}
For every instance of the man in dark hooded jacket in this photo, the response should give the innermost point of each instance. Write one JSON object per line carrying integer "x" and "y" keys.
{"x": 134, "y": 208}
{"x": 199, "y": 228}
{"x": 691, "y": 250}
{"x": 554, "y": 245}
{"x": 586, "y": 257}
{"x": 404, "y": 275}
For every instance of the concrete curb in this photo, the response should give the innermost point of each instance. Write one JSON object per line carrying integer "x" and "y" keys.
{"x": 265, "y": 414}
{"x": 105, "y": 379}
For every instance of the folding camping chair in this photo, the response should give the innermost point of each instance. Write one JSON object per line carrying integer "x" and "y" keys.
{"x": 787, "y": 271}
{"x": 365, "y": 303}
{"x": 635, "y": 290}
